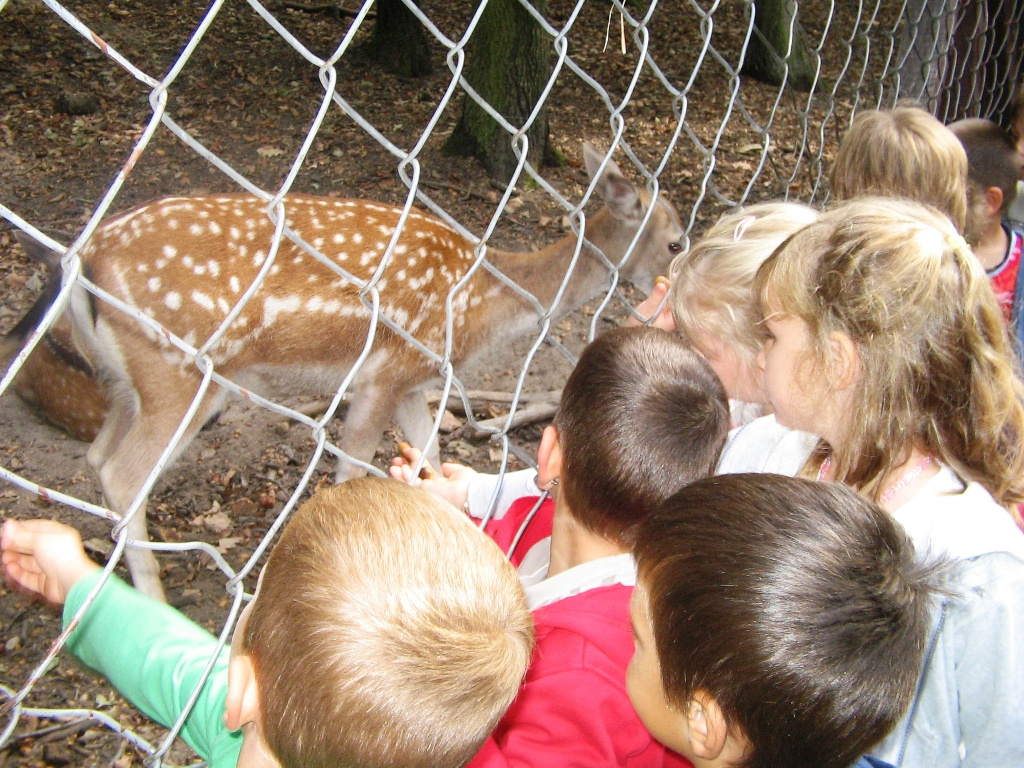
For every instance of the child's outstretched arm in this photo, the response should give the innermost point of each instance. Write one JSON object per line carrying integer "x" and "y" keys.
{"x": 452, "y": 484}
{"x": 44, "y": 557}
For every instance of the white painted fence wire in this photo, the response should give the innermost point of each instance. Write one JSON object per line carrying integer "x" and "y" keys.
{"x": 678, "y": 116}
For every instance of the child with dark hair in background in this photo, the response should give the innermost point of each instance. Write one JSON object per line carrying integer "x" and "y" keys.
{"x": 994, "y": 169}
{"x": 385, "y": 631}
{"x": 641, "y": 415}
{"x": 779, "y": 622}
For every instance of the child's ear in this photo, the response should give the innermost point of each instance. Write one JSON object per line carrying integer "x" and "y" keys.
{"x": 243, "y": 700}
{"x": 549, "y": 457}
{"x": 993, "y": 201}
{"x": 846, "y": 364}
{"x": 707, "y": 727}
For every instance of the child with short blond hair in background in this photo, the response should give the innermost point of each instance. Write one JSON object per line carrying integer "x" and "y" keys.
{"x": 385, "y": 631}
{"x": 640, "y": 416}
{"x": 994, "y": 171}
{"x": 886, "y": 343}
{"x": 902, "y": 152}
{"x": 778, "y": 622}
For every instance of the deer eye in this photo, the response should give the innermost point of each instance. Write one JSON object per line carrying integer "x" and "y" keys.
{"x": 675, "y": 247}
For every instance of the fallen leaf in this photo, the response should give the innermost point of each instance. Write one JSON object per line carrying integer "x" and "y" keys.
{"x": 269, "y": 151}
{"x": 228, "y": 543}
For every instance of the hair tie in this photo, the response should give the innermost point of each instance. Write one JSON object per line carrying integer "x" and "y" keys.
{"x": 957, "y": 244}
{"x": 745, "y": 222}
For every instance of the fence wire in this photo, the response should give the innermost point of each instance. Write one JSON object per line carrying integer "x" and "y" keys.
{"x": 671, "y": 106}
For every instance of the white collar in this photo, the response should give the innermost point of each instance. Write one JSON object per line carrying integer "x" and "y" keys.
{"x": 603, "y": 572}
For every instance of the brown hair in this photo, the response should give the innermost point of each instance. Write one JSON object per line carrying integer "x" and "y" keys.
{"x": 992, "y": 159}
{"x": 712, "y": 282}
{"x": 902, "y": 152}
{"x": 937, "y": 367}
{"x": 388, "y": 631}
{"x": 641, "y": 415}
{"x": 798, "y": 606}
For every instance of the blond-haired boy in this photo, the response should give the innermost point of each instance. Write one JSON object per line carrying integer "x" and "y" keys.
{"x": 902, "y": 152}
{"x": 385, "y": 630}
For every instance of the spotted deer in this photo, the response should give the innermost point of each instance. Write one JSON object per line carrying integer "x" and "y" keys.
{"x": 55, "y": 379}
{"x": 186, "y": 261}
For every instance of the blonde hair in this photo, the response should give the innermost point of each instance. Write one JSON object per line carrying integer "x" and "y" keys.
{"x": 902, "y": 152}
{"x": 712, "y": 282}
{"x": 388, "y": 631}
{"x": 937, "y": 368}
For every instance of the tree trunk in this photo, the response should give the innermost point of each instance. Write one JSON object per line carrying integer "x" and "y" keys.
{"x": 508, "y": 62}
{"x": 399, "y": 42}
{"x": 766, "y": 57}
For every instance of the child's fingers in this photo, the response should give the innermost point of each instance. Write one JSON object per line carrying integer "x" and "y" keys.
{"x": 412, "y": 455}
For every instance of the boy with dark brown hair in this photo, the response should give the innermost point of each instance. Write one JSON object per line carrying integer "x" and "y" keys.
{"x": 641, "y": 415}
{"x": 780, "y": 623}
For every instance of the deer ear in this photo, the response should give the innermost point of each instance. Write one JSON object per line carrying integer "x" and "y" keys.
{"x": 620, "y": 195}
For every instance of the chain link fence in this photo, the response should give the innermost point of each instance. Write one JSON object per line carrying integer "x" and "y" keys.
{"x": 656, "y": 83}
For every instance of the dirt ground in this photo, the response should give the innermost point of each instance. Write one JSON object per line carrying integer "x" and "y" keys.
{"x": 250, "y": 98}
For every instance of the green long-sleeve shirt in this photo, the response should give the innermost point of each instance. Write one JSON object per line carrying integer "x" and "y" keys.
{"x": 154, "y": 656}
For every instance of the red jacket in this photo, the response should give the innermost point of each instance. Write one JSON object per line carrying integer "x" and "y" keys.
{"x": 572, "y": 710}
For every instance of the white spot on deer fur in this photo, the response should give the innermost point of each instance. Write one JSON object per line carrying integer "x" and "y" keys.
{"x": 475, "y": 301}
{"x": 412, "y": 262}
{"x": 215, "y": 228}
{"x": 370, "y": 219}
{"x": 331, "y": 307}
{"x": 195, "y": 229}
{"x": 258, "y": 258}
{"x": 250, "y": 236}
{"x": 315, "y": 304}
{"x": 400, "y": 249}
{"x": 250, "y": 223}
{"x": 143, "y": 267}
{"x": 214, "y": 267}
{"x": 160, "y": 263}
{"x": 236, "y": 286}
{"x": 385, "y": 230}
{"x": 421, "y": 251}
{"x": 318, "y": 243}
{"x": 400, "y": 316}
{"x": 346, "y": 215}
{"x": 223, "y": 306}
{"x": 235, "y": 233}
{"x": 204, "y": 214}
{"x": 200, "y": 269}
{"x": 297, "y": 260}
{"x": 339, "y": 238}
{"x": 366, "y": 258}
{"x": 342, "y": 256}
{"x": 311, "y": 278}
{"x": 173, "y": 300}
{"x": 357, "y": 238}
{"x": 275, "y": 269}
{"x": 202, "y": 300}
{"x": 273, "y": 306}
{"x": 421, "y": 233}
{"x": 372, "y": 207}
{"x": 242, "y": 250}
{"x": 400, "y": 275}
{"x": 154, "y": 284}
{"x": 187, "y": 262}
{"x": 169, "y": 251}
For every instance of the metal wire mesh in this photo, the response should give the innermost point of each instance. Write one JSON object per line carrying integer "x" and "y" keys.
{"x": 711, "y": 147}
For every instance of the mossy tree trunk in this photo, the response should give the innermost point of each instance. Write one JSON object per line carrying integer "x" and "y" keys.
{"x": 508, "y": 62}
{"x": 399, "y": 42}
{"x": 774, "y": 23}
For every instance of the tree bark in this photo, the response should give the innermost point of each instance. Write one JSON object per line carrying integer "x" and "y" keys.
{"x": 766, "y": 57}
{"x": 399, "y": 42}
{"x": 508, "y": 62}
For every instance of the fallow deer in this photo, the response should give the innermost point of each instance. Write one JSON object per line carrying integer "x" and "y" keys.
{"x": 186, "y": 261}
{"x": 55, "y": 379}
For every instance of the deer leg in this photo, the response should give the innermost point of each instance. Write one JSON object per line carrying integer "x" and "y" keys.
{"x": 118, "y": 421}
{"x": 125, "y": 470}
{"x": 413, "y": 416}
{"x": 369, "y": 414}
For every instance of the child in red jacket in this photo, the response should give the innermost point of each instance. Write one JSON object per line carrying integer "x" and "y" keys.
{"x": 641, "y": 416}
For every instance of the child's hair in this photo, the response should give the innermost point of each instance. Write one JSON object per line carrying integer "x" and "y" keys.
{"x": 642, "y": 414}
{"x": 902, "y": 152}
{"x": 798, "y": 606}
{"x": 711, "y": 283}
{"x": 992, "y": 159}
{"x": 388, "y": 631}
{"x": 937, "y": 371}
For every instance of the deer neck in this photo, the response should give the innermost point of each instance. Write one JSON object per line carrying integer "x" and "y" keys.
{"x": 541, "y": 272}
